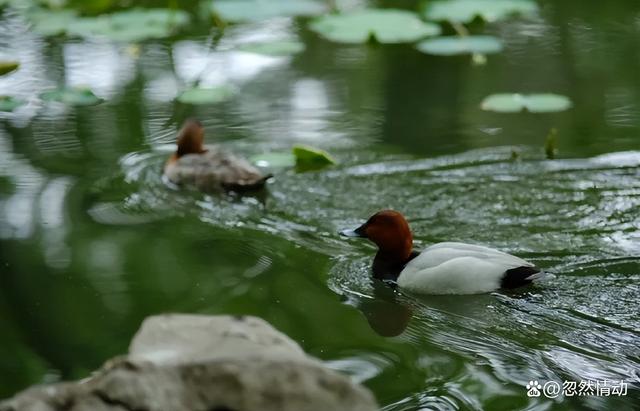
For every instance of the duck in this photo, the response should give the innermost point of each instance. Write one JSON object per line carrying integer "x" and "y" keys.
{"x": 442, "y": 268}
{"x": 209, "y": 168}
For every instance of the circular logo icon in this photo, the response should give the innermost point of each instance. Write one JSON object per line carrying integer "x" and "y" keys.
{"x": 551, "y": 389}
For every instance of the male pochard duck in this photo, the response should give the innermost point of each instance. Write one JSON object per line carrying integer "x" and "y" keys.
{"x": 443, "y": 268}
{"x": 210, "y": 168}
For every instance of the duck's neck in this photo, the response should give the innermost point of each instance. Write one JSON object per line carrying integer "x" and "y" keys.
{"x": 389, "y": 265}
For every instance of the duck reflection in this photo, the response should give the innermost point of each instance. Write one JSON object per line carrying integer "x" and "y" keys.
{"x": 386, "y": 315}
{"x": 389, "y": 314}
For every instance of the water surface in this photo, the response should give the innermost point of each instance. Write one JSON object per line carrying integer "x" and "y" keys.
{"x": 92, "y": 241}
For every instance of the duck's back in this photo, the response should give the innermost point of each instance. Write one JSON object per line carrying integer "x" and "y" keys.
{"x": 214, "y": 170}
{"x": 459, "y": 268}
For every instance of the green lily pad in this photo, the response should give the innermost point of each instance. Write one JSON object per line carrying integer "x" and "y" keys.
{"x": 8, "y": 103}
{"x": 304, "y": 158}
{"x": 385, "y": 26}
{"x": 74, "y": 96}
{"x": 534, "y": 103}
{"x": 206, "y": 95}
{"x": 274, "y": 48}
{"x": 274, "y": 160}
{"x": 131, "y": 25}
{"x": 448, "y": 46}
{"x": 7, "y": 67}
{"x": 464, "y": 11}
{"x": 257, "y": 10}
{"x": 159, "y": 17}
{"x": 51, "y": 22}
{"x": 311, "y": 158}
{"x": 17, "y": 3}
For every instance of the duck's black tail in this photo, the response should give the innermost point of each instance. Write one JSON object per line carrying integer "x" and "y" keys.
{"x": 521, "y": 276}
{"x": 252, "y": 186}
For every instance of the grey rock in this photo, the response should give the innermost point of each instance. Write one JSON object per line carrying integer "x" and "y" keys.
{"x": 204, "y": 363}
{"x": 182, "y": 338}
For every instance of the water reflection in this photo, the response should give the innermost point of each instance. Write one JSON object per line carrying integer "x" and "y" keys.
{"x": 18, "y": 208}
{"x": 85, "y": 220}
{"x": 386, "y": 315}
{"x": 197, "y": 64}
{"x": 102, "y": 66}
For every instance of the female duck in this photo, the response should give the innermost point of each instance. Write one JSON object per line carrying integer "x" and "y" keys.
{"x": 209, "y": 169}
{"x": 443, "y": 268}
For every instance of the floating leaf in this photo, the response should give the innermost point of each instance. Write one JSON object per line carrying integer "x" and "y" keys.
{"x": 274, "y": 48}
{"x": 74, "y": 96}
{"x": 448, "y": 46}
{"x": 535, "y": 103}
{"x": 89, "y": 26}
{"x": 131, "y": 25}
{"x": 257, "y": 10}
{"x": 8, "y": 103}
{"x": 311, "y": 158}
{"x": 51, "y": 22}
{"x": 543, "y": 103}
{"x": 305, "y": 158}
{"x": 155, "y": 17}
{"x": 464, "y": 11}
{"x": 208, "y": 95}
{"x": 385, "y": 26}
{"x": 7, "y": 67}
{"x": 276, "y": 160}
{"x": 17, "y": 3}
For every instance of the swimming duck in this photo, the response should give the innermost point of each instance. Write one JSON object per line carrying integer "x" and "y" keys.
{"x": 210, "y": 168}
{"x": 443, "y": 268}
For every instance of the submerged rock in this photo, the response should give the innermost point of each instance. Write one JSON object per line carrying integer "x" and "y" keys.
{"x": 207, "y": 363}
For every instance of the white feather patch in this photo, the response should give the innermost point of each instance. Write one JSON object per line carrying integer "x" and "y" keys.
{"x": 458, "y": 268}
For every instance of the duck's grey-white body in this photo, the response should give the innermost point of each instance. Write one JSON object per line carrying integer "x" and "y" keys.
{"x": 459, "y": 268}
{"x": 214, "y": 170}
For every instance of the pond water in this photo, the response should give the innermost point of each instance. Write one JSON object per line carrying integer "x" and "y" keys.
{"x": 92, "y": 241}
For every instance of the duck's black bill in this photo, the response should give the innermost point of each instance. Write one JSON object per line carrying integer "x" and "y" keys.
{"x": 358, "y": 232}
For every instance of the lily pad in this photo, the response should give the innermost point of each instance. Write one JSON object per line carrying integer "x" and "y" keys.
{"x": 274, "y": 160}
{"x": 51, "y": 22}
{"x": 384, "y": 25}
{"x": 448, "y": 46}
{"x": 304, "y": 158}
{"x": 464, "y": 11}
{"x": 206, "y": 95}
{"x": 155, "y": 17}
{"x": 8, "y": 103}
{"x": 17, "y": 3}
{"x": 274, "y": 48}
{"x": 257, "y": 10}
{"x": 7, "y": 67}
{"x": 74, "y": 96}
{"x": 534, "y": 103}
{"x": 311, "y": 158}
{"x": 130, "y": 25}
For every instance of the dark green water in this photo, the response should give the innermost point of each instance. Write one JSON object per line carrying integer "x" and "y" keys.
{"x": 91, "y": 241}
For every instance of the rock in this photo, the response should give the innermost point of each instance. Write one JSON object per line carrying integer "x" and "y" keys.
{"x": 180, "y": 339}
{"x": 204, "y": 363}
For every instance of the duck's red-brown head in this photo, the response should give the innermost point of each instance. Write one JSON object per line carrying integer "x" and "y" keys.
{"x": 389, "y": 230}
{"x": 191, "y": 138}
